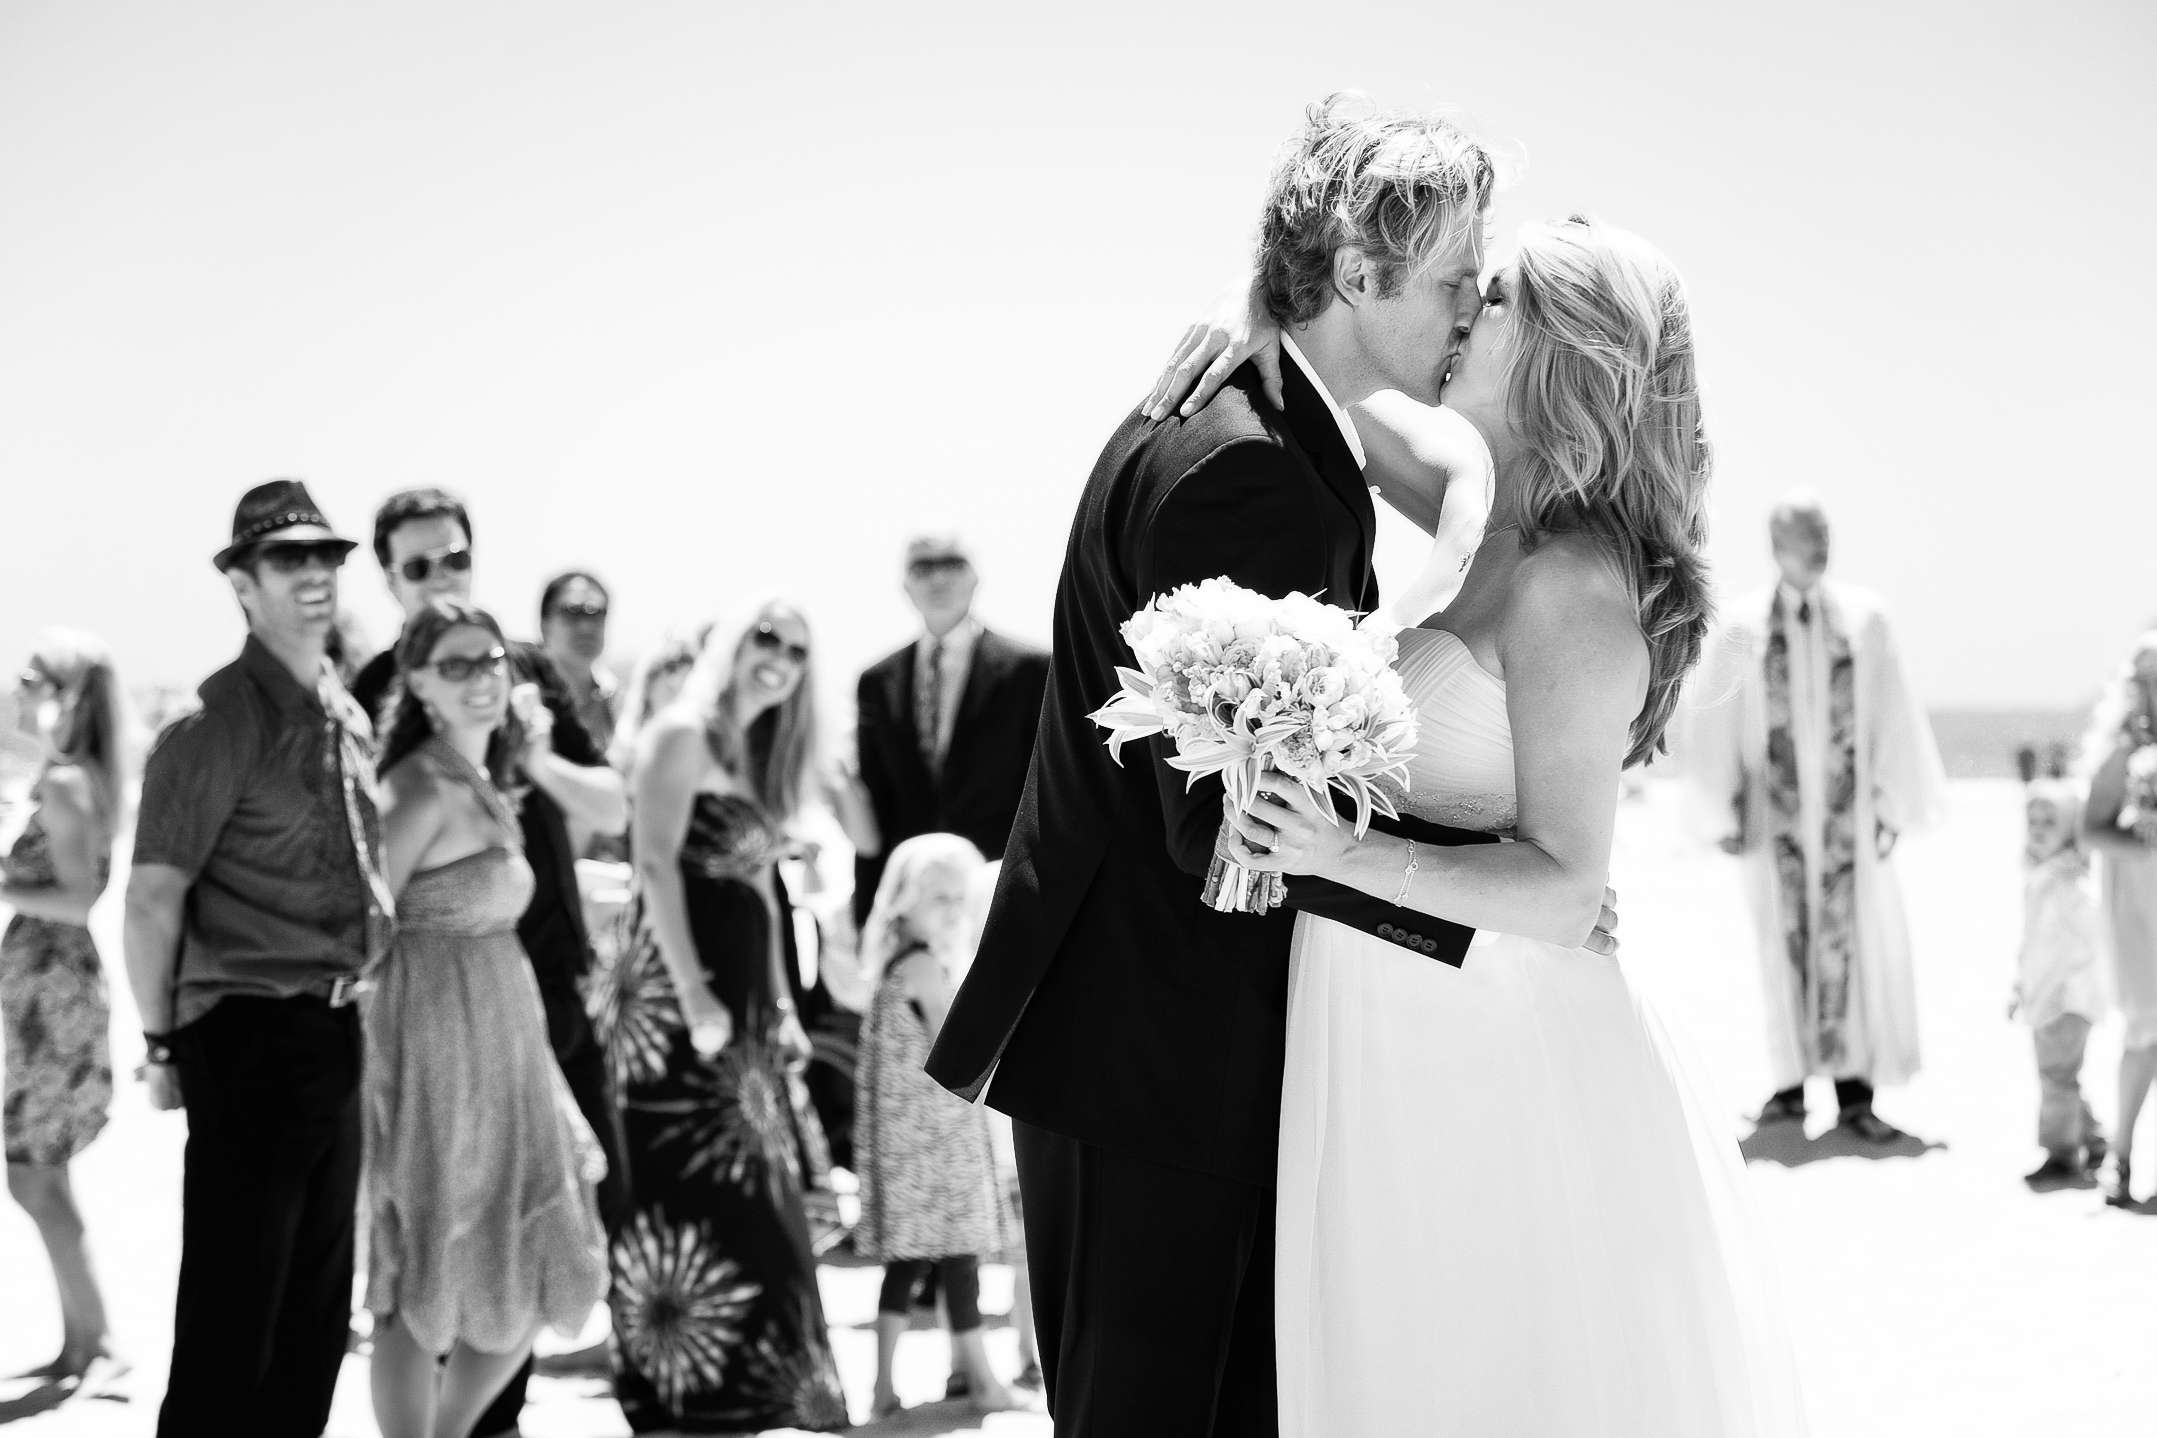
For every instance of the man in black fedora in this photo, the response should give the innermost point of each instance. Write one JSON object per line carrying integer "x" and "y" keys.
{"x": 256, "y": 911}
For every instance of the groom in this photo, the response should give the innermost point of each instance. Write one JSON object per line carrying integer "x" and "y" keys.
{"x": 1134, "y": 1035}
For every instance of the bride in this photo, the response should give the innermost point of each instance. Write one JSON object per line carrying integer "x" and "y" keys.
{"x": 1502, "y": 1208}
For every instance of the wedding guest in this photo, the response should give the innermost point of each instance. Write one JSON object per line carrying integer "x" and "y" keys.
{"x": 719, "y": 1327}
{"x": 930, "y": 1198}
{"x": 2120, "y": 823}
{"x": 945, "y": 726}
{"x": 482, "y": 1223}
{"x": 423, "y": 541}
{"x": 1812, "y": 757}
{"x": 255, "y": 912}
{"x": 573, "y": 630}
{"x": 53, "y": 1003}
{"x": 655, "y": 681}
{"x": 2059, "y": 977}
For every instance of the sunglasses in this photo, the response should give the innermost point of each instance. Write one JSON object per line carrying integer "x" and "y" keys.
{"x": 577, "y": 611}
{"x": 292, "y": 558}
{"x": 949, "y": 564}
{"x": 767, "y": 637}
{"x": 421, "y": 567}
{"x": 460, "y": 668}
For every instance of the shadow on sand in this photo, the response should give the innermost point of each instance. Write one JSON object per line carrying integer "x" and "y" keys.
{"x": 1787, "y": 1144}
{"x": 26, "y": 1398}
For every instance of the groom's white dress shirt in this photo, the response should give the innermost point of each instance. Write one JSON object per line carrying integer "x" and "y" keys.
{"x": 1340, "y": 416}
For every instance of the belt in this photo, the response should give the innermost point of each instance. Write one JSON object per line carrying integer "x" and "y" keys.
{"x": 338, "y": 992}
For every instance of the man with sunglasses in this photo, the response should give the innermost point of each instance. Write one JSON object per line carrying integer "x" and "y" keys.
{"x": 573, "y": 612}
{"x": 945, "y": 726}
{"x": 256, "y": 909}
{"x": 423, "y": 541}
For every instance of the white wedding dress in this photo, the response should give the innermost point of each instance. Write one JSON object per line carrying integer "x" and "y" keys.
{"x": 1502, "y": 1209}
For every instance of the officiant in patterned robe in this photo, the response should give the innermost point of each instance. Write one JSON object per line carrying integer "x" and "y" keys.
{"x": 1811, "y": 756}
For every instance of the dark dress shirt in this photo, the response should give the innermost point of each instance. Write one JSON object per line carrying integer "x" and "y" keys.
{"x": 247, "y": 796}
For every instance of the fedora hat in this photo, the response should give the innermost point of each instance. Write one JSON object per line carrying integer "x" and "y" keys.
{"x": 280, "y": 512}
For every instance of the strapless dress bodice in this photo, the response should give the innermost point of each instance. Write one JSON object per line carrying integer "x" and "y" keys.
{"x": 482, "y": 893}
{"x": 1462, "y": 771}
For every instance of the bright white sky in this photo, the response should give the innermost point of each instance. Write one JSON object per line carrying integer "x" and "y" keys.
{"x": 723, "y": 298}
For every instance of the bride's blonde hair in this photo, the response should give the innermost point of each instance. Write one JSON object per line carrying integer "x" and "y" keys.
{"x": 1604, "y": 390}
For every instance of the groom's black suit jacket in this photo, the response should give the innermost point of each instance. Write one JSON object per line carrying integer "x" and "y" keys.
{"x": 1113, "y": 1006}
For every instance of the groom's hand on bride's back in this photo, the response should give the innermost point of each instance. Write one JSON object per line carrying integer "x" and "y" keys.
{"x": 1604, "y": 940}
{"x": 1211, "y": 350}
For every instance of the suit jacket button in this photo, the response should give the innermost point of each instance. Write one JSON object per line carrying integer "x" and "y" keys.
{"x": 1430, "y": 946}
{"x": 1387, "y": 931}
{"x": 1411, "y": 940}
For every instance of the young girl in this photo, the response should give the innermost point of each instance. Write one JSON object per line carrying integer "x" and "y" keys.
{"x": 2059, "y": 984}
{"x": 930, "y": 1197}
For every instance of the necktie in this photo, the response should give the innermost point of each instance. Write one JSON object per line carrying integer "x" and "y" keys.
{"x": 929, "y": 705}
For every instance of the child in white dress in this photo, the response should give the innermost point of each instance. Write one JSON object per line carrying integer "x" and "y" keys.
{"x": 2059, "y": 977}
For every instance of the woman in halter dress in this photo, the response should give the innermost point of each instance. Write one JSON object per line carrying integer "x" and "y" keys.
{"x": 718, "y": 1321}
{"x": 483, "y": 1226}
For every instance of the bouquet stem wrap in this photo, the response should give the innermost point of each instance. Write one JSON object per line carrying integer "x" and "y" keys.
{"x": 1231, "y": 888}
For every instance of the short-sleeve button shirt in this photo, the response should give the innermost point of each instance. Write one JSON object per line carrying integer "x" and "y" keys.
{"x": 247, "y": 796}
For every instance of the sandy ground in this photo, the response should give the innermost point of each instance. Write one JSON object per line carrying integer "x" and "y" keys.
{"x": 1930, "y": 1291}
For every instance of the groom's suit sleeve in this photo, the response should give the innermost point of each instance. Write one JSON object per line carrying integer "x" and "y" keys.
{"x": 1249, "y": 513}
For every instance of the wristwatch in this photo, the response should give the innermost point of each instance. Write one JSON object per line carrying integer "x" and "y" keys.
{"x": 157, "y": 1049}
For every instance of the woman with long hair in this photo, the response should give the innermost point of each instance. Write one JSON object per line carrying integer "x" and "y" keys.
{"x": 52, "y": 984}
{"x": 482, "y": 1222}
{"x": 2119, "y": 762}
{"x": 1515, "y": 1141}
{"x": 718, "y": 1323}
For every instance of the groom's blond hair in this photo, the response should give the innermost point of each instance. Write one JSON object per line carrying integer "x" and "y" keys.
{"x": 1402, "y": 188}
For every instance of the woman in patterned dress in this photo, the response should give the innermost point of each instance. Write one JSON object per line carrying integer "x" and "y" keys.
{"x": 930, "y": 1196}
{"x": 718, "y": 1323}
{"x": 482, "y": 1222}
{"x": 52, "y": 986}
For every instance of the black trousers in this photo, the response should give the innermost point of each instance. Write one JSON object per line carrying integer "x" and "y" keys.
{"x": 1849, "y": 1093}
{"x": 1153, "y": 1294}
{"x": 584, "y": 1065}
{"x": 272, "y": 1177}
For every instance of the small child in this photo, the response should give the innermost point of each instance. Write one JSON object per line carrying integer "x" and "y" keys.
{"x": 930, "y": 1195}
{"x": 2059, "y": 980}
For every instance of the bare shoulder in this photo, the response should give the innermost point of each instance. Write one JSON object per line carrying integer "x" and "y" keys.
{"x": 1570, "y": 605}
{"x": 413, "y": 784}
{"x": 673, "y": 753}
{"x": 917, "y": 971}
{"x": 68, "y": 789}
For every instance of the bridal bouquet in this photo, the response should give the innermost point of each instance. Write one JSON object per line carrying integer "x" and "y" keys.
{"x": 1242, "y": 684}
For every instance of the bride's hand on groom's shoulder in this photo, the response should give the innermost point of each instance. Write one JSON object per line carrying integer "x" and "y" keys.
{"x": 1211, "y": 350}
{"x": 1286, "y": 832}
